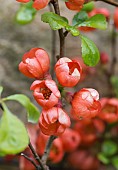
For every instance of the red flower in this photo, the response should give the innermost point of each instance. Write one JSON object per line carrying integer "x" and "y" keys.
{"x": 68, "y": 72}
{"x": 38, "y": 4}
{"x": 83, "y": 160}
{"x": 104, "y": 58}
{"x": 103, "y": 11}
{"x": 70, "y": 139}
{"x": 74, "y": 4}
{"x": 35, "y": 63}
{"x": 109, "y": 111}
{"x": 53, "y": 121}
{"x": 89, "y": 129}
{"x": 45, "y": 93}
{"x": 85, "y": 103}
{"x": 116, "y": 18}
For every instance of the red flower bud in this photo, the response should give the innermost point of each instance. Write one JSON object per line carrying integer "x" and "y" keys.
{"x": 35, "y": 63}
{"x": 74, "y": 4}
{"x": 70, "y": 139}
{"x": 116, "y": 18}
{"x": 85, "y": 103}
{"x": 109, "y": 111}
{"x": 45, "y": 93}
{"x": 103, "y": 11}
{"x": 83, "y": 160}
{"x": 39, "y": 4}
{"x": 68, "y": 72}
{"x": 54, "y": 121}
{"x": 104, "y": 58}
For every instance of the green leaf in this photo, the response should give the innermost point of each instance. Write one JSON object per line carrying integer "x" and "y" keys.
{"x": 97, "y": 21}
{"x": 1, "y": 89}
{"x": 74, "y": 31}
{"x": 114, "y": 81}
{"x": 88, "y": 7}
{"x": 55, "y": 21}
{"x": 32, "y": 111}
{"x": 25, "y": 14}
{"x": 109, "y": 148}
{"x": 90, "y": 53}
{"x": 13, "y": 135}
{"x": 79, "y": 18}
{"x": 103, "y": 158}
{"x": 114, "y": 161}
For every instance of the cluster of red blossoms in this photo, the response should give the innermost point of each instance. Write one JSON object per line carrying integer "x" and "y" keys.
{"x": 70, "y": 4}
{"x": 53, "y": 119}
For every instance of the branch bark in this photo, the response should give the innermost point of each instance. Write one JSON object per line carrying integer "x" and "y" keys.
{"x": 60, "y": 31}
{"x": 47, "y": 149}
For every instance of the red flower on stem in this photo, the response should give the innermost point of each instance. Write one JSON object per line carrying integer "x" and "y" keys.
{"x": 70, "y": 139}
{"x": 68, "y": 72}
{"x": 74, "y": 4}
{"x": 38, "y": 4}
{"x": 85, "y": 103}
{"x": 109, "y": 111}
{"x": 35, "y": 63}
{"x": 45, "y": 93}
{"x": 54, "y": 121}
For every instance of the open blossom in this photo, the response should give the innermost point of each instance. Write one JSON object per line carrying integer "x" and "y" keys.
{"x": 74, "y": 4}
{"x": 109, "y": 111}
{"x": 35, "y": 63}
{"x": 37, "y": 4}
{"x": 54, "y": 121}
{"x": 45, "y": 93}
{"x": 68, "y": 72}
{"x": 70, "y": 139}
{"x": 85, "y": 103}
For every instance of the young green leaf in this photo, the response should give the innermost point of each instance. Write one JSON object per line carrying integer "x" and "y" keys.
{"x": 103, "y": 158}
{"x": 97, "y": 21}
{"x": 88, "y": 7}
{"x": 55, "y": 21}
{"x": 32, "y": 111}
{"x": 114, "y": 161}
{"x": 13, "y": 135}
{"x": 25, "y": 14}
{"x": 90, "y": 53}
{"x": 79, "y": 18}
{"x": 74, "y": 31}
{"x": 109, "y": 148}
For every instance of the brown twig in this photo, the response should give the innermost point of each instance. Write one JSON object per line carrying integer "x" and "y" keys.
{"x": 113, "y": 51}
{"x": 61, "y": 34}
{"x": 37, "y": 158}
{"x": 47, "y": 149}
{"x": 30, "y": 160}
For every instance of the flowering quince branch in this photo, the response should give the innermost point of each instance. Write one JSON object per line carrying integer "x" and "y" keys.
{"x": 30, "y": 160}
{"x": 61, "y": 34}
{"x": 47, "y": 149}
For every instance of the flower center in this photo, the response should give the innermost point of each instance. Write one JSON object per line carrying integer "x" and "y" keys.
{"x": 46, "y": 93}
